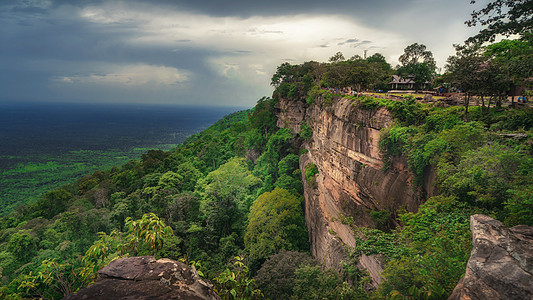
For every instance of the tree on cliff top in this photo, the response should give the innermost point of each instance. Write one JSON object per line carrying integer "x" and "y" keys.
{"x": 418, "y": 62}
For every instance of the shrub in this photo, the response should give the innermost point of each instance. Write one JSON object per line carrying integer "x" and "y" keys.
{"x": 310, "y": 171}
{"x": 306, "y": 132}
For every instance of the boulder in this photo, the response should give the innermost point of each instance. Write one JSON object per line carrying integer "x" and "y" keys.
{"x": 144, "y": 277}
{"x": 501, "y": 262}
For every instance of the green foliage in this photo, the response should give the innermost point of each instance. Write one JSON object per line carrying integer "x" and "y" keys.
{"x": 306, "y": 132}
{"x": 50, "y": 281}
{"x": 276, "y": 222}
{"x": 149, "y": 229}
{"x": 381, "y": 218}
{"x": 289, "y": 174}
{"x": 277, "y": 276}
{"x": 502, "y": 17}
{"x": 23, "y": 245}
{"x": 53, "y": 202}
{"x": 234, "y": 283}
{"x": 430, "y": 250}
{"x": 226, "y": 197}
{"x": 279, "y": 145}
{"x": 313, "y": 94}
{"x": 494, "y": 177}
{"x": 310, "y": 171}
{"x": 314, "y": 283}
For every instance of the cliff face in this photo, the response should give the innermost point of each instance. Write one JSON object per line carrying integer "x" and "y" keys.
{"x": 351, "y": 181}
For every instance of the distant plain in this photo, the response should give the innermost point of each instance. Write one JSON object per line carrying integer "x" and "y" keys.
{"x": 45, "y": 145}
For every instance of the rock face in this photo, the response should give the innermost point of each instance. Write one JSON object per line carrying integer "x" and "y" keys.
{"x": 351, "y": 181}
{"x": 501, "y": 262}
{"x": 146, "y": 278}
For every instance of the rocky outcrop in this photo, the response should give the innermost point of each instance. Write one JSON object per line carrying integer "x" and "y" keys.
{"x": 146, "y": 278}
{"x": 351, "y": 180}
{"x": 501, "y": 262}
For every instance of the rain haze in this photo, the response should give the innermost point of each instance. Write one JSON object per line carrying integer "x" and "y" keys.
{"x": 212, "y": 53}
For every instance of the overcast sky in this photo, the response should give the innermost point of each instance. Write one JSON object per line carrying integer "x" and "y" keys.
{"x": 201, "y": 52}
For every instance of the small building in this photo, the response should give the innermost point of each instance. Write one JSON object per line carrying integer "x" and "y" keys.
{"x": 400, "y": 83}
{"x": 407, "y": 83}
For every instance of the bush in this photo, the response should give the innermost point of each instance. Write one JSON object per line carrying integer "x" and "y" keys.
{"x": 306, "y": 132}
{"x": 310, "y": 171}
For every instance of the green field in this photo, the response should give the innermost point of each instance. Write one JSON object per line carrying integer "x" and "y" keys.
{"x": 29, "y": 176}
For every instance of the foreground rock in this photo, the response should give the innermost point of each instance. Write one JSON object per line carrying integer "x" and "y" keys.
{"x": 501, "y": 263}
{"x": 146, "y": 278}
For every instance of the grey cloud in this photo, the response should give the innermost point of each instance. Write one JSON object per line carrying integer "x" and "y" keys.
{"x": 39, "y": 42}
{"x": 354, "y": 43}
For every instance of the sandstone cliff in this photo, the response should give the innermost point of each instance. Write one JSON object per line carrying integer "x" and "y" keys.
{"x": 351, "y": 181}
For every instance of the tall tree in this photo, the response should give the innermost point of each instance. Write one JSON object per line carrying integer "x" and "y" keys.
{"x": 418, "y": 62}
{"x": 515, "y": 60}
{"x": 276, "y": 222}
{"x": 337, "y": 57}
{"x": 466, "y": 70}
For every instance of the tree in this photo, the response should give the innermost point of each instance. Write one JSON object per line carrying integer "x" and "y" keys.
{"x": 466, "y": 72}
{"x": 50, "y": 281}
{"x": 23, "y": 245}
{"x": 284, "y": 73}
{"x": 149, "y": 229}
{"x": 337, "y": 57}
{"x": 276, "y": 222}
{"x": 226, "y": 199}
{"x": 502, "y": 17}
{"x": 515, "y": 59}
{"x": 169, "y": 181}
{"x": 418, "y": 62}
{"x": 277, "y": 276}
{"x": 235, "y": 283}
{"x": 53, "y": 203}
{"x": 416, "y": 54}
{"x": 378, "y": 58}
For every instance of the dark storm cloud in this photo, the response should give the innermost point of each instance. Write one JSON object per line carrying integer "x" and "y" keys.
{"x": 244, "y": 8}
{"x": 41, "y": 41}
{"x": 371, "y": 10}
{"x": 63, "y": 49}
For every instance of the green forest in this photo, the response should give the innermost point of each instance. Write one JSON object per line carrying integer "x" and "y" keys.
{"x": 229, "y": 200}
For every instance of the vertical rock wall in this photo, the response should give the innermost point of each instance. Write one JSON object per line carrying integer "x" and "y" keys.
{"x": 351, "y": 181}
